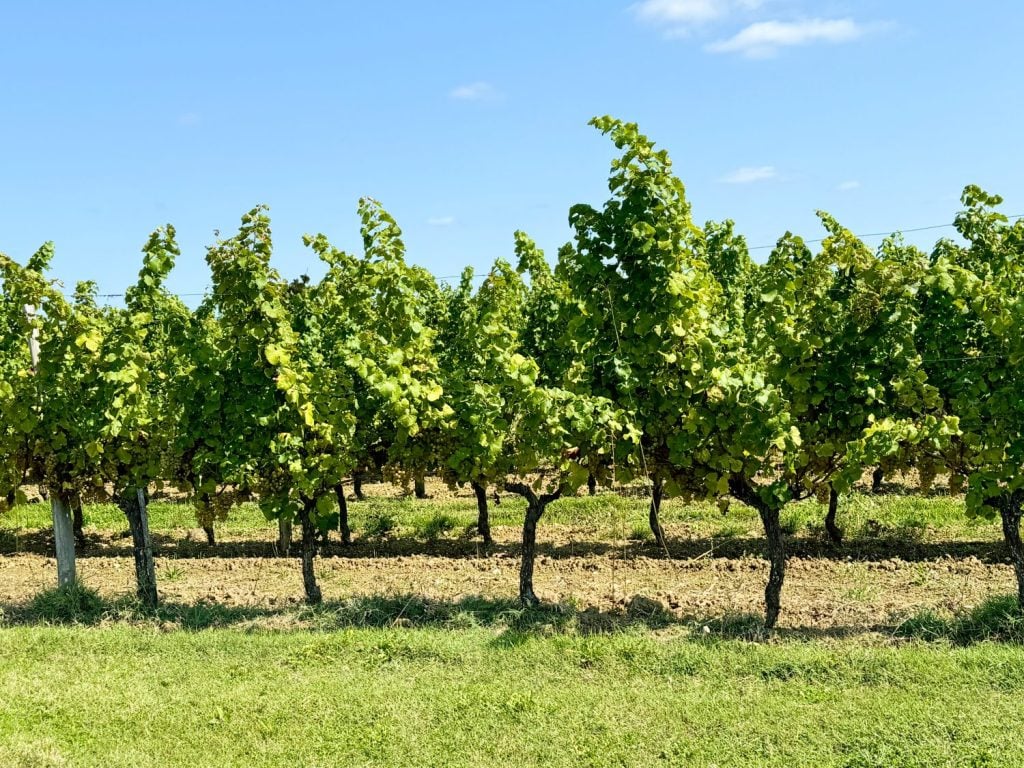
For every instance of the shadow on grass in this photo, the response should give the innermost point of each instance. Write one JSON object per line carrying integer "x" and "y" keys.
{"x": 998, "y": 619}
{"x": 80, "y": 606}
{"x": 890, "y": 488}
{"x": 887, "y": 544}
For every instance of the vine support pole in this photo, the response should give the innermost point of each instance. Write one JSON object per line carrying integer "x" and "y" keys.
{"x": 63, "y": 540}
{"x": 284, "y": 537}
{"x": 33, "y": 339}
{"x": 63, "y": 528}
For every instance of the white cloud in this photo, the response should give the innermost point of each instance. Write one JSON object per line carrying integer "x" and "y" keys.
{"x": 441, "y": 221}
{"x": 763, "y": 39}
{"x": 679, "y": 11}
{"x": 848, "y": 186}
{"x": 190, "y": 118}
{"x": 478, "y": 91}
{"x": 679, "y": 16}
{"x": 750, "y": 174}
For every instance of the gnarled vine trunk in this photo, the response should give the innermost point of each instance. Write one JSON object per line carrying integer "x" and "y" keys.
{"x": 742, "y": 490}
{"x": 1010, "y": 513}
{"x": 777, "y": 559}
{"x": 313, "y": 594}
{"x": 420, "y": 487}
{"x": 529, "y": 554}
{"x": 483, "y": 517}
{"x": 78, "y": 522}
{"x": 591, "y": 485}
{"x": 535, "y": 506}
{"x": 133, "y": 504}
{"x": 835, "y": 533}
{"x": 343, "y": 528}
{"x": 876, "y": 480}
{"x": 654, "y": 514}
{"x": 211, "y": 537}
{"x": 357, "y": 486}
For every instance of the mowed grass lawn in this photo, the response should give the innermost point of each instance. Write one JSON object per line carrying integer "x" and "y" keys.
{"x": 325, "y": 688}
{"x": 133, "y": 696}
{"x": 607, "y": 516}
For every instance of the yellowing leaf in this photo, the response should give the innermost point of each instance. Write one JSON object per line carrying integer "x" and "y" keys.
{"x": 307, "y": 414}
{"x": 89, "y": 339}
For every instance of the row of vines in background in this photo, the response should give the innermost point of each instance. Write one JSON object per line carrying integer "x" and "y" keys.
{"x": 654, "y": 349}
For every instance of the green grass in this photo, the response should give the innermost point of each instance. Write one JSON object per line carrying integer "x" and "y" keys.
{"x": 403, "y": 680}
{"x": 865, "y": 517}
{"x": 71, "y": 604}
{"x": 379, "y": 523}
{"x": 438, "y": 526}
{"x": 998, "y": 619}
{"x": 896, "y": 516}
{"x": 129, "y": 696}
{"x": 162, "y": 516}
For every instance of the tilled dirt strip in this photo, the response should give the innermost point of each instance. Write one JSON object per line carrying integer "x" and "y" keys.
{"x": 821, "y": 593}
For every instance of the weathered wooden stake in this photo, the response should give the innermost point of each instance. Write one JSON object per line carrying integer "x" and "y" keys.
{"x": 64, "y": 540}
{"x": 63, "y": 529}
{"x": 284, "y": 537}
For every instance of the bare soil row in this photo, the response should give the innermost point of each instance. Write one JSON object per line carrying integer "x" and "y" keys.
{"x": 825, "y": 591}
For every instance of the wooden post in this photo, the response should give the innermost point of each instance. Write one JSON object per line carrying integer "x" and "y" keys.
{"x": 33, "y": 339}
{"x": 284, "y": 537}
{"x": 63, "y": 539}
{"x": 63, "y": 530}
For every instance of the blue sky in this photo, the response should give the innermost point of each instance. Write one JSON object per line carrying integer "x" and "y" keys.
{"x": 468, "y": 119}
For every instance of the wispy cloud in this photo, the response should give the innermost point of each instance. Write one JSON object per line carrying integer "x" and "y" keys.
{"x": 478, "y": 91}
{"x": 763, "y": 39}
{"x": 678, "y": 17}
{"x": 679, "y": 11}
{"x": 441, "y": 221}
{"x": 749, "y": 28}
{"x": 750, "y": 174}
{"x": 848, "y": 186}
{"x": 190, "y": 118}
